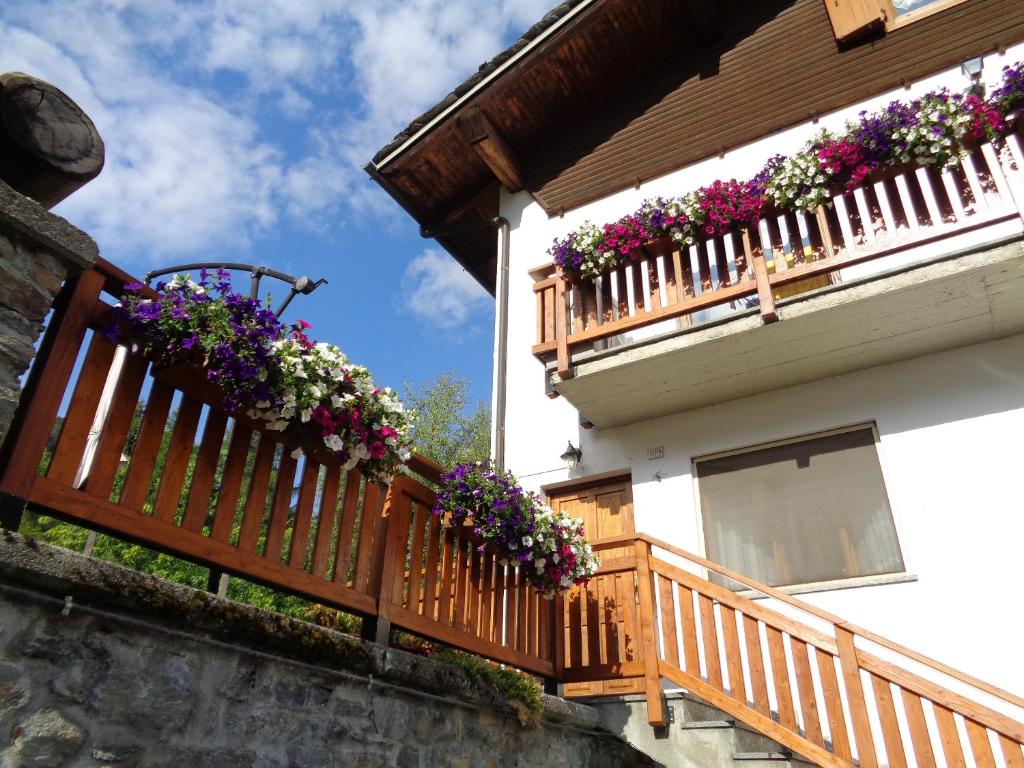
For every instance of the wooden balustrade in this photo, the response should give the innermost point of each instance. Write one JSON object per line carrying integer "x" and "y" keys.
{"x": 151, "y": 456}
{"x": 788, "y": 252}
{"x": 820, "y": 693}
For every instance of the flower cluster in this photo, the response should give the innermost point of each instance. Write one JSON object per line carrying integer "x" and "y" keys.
{"x": 549, "y": 547}
{"x": 269, "y": 371}
{"x": 933, "y": 130}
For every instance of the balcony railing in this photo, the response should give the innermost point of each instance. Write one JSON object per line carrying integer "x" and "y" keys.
{"x": 224, "y": 499}
{"x": 882, "y": 222}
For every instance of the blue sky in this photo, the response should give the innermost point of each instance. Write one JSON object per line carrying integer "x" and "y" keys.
{"x": 236, "y": 130}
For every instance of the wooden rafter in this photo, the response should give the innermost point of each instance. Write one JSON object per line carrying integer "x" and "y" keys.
{"x": 481, "y": 134}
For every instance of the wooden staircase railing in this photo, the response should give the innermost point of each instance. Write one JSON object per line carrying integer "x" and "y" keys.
{"x": 819, "y": 693}
{"x": 787, "y": 253}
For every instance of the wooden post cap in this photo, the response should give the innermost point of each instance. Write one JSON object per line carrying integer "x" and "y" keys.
{"x": 48, "y": 146}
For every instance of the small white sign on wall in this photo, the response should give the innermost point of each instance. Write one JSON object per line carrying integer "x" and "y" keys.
{"x": 656, "y": 453}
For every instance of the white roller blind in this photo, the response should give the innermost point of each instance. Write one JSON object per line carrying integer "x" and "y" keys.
{"x": 807, "y": 511}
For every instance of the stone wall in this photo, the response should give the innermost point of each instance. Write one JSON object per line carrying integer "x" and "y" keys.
{"x": 100, "y": 666}
{"x": 38, "y": 251}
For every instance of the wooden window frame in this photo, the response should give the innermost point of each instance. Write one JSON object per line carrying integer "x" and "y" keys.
{"x": 894, "y": 577}
{"x": 893, "y": 23}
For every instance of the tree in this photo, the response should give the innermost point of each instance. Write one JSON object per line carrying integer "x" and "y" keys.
{"x": 449, "y": 429}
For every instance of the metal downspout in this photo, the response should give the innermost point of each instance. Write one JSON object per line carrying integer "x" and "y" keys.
{"x": 501, "y": 321}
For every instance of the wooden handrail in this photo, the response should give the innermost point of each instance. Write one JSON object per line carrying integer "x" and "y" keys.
{"x": 938, "y": 666}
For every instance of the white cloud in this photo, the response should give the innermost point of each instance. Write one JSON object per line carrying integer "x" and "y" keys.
{"x": 181, "y": 91}
{"x": 439, "y": 291}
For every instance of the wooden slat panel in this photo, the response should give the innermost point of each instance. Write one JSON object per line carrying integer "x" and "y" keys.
{"x": 461, "y": 578}
{"x": 373, "y": 504}
{"x": 47, "y": 381}
{"x": 200, "y": 492}
{"x": 231, "y": 482}
{"x": 117, "y": 426}
{"x": 670, "y": 642}
{"x": 473, "y": 594}
{"x": 304, "y": 514}
{"x": 487, "y": 598}
{"x": 78, "y": 421}
{"x": 419, "y": 534}
{"x": 833, "y": 705}
{"x": 326, "y": 521}
{"x": 592, "y": 619}
{"x": 980, "y": 746}
{"x": 431, "y": 569}
{"x": 758, "y": 679}
{"x": 733, "y": 658}
{"x": 1012, "y": 753}
{"x": 346, "y": 530}
{"x": 256, "y": 498}
{"x": 689, "y": 629}
{"x": 710, "y": 634}
{"x": 498, "y": 620}
{"x": 172, "y": 474}
{"x": 649, "y": 647}
{"x": 919, "y": 736}
{"x": 890, "y": 725}
{"x": 523, "y": 607}
{"x": 445, "y": 609}
{"x": 805, "y": 688}
{"x": 281, "y": 507}
{"x": 533, "y": 619}
{"x": 949, "y": 737}
{"x": 780, "y": 674}
{"x": 855, "y": 698}
{"x": 194, "y": 546}
{"x": 575, "y": 623}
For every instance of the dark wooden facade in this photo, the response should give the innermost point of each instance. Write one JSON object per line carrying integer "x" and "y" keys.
{"x": 629, "y": 91}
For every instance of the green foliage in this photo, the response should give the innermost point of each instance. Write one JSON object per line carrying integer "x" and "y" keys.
{"x": 449, "y": 429}
{"x": 516, "y": 690}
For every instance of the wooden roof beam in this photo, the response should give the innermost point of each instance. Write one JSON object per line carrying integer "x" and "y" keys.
{"x": 480, "y": 133}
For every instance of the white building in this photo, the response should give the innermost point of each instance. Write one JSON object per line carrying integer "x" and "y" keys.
{"x": 864, "y": 448}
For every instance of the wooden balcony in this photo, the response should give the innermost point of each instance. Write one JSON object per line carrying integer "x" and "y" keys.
{"x": 908, "y": 264}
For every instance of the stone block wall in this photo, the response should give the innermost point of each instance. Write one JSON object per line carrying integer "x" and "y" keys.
{"x": 38, "y": 251}
{"x": 100, "y": 666}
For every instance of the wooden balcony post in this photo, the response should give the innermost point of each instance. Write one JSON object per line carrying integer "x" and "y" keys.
{"x": 390, "y": 564}
{"x": 648, "y": 644}
{"x": 561, "y": 325}
{"x": 855, "y": 696}
{"x": 755, "y": 257}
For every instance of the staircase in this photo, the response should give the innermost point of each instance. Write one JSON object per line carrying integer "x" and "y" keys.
{"x": 697, "y": 735}
{"x": 777, "y": 676}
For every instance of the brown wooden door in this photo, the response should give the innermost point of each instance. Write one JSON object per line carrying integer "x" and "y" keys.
{"x": 606, "y": 607}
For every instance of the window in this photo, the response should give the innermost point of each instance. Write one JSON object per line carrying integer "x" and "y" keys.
{"x": 806, "y": 510}
{"x": 854, "y": 18}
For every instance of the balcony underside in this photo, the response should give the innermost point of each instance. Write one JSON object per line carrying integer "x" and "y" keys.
{"x": 958, "y": 300}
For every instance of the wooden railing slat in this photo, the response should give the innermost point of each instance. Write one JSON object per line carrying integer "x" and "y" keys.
{"x": 1012, "y": 753}
{"x": 343, "y": 564}
{"x": 373, "y": 504}
{"x": 890, "y": 725}
{"x": 670, "y": 645}
{"x": 949, "y": 737}
{"x": 79, "y": 419}
{"x": 231, "y": 482}
{"x": 117, "y": 426}
{"x": 980, "y": 747}
{"x": 445, "y": 613}
{"x": 858, "y": 711}
{"x": 256, "y": 499}
{"x": 281, "y": 507}
{"x": 833, "y": 705}
{"x": 688, "y": 619}
{"x": 304, "y": 514}
{"x": 200, "y": 492}
{"x": 648, "y": 645}
{"x": 709, "y": 633}
{"x": 755, "y": 660}
{"x": 805, "y": 689}
{"x": 920, "y": 739}
{"x": 431, "y": 569}
{"x": 179, "y": 451}
{"x": 326, "y": 521}
{"x": 418, "y": 519}
{"x": 780, "y": 676}
{"x": 733, "y": 658}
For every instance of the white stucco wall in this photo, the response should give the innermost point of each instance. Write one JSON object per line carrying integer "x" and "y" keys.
{"x": 949, "y": 427}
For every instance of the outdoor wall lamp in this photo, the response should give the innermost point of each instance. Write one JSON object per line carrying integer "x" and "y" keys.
{"x": 973, "y": 68}
{"x": 572, "y": 456}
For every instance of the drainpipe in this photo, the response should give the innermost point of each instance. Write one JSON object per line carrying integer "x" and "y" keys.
{"x": 501, "y": 320}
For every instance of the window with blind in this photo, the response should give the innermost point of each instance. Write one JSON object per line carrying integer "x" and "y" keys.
{"x": 808, "y": 510}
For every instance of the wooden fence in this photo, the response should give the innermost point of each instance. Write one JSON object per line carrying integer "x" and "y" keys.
{"x": 788, "y": 252}
{"x": 151, "y": 456}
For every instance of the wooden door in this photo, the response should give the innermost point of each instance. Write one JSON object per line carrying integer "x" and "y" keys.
{"x": 607, "y": 605}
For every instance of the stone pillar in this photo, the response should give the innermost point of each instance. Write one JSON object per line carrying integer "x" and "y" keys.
{"x": 38, "y": 252}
